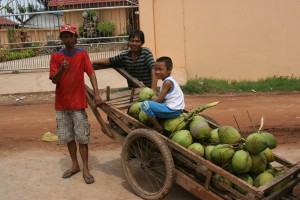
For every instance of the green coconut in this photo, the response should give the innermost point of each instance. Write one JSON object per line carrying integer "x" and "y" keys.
{"x": 197, "y": 148}
{"x": 269, "y": 155}
{"x": 259, "y": 163}
{"x": 241, "y": 162}
{"x": 144, "y": 118}
{"x": 245, "y": 177}
{"x": 198, "y": 118}
{"x": 262, "y": 179}
{"x": 146, "y": 94}
{"x": 270, "y": 169}
{"x": 175, "y": 124}
{"x": 179, "y": 123}
{"x": 271, "y": 140}
{"x": 207, "y": 151}
{"x": 222, "y": 154}
{"x": 134, "y": 110}
{"x": 183, "y": 137}
{"x": 229, "y": 135}
{"x": 214, "y": 137}
{"x": 200, "y": 129}
{"x": 218, "y": 178}
{"x": 255, "y": 143}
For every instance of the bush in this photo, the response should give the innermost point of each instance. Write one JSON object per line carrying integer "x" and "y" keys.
{"x": 15, "y": 55}
{"x": 106, "y": 28}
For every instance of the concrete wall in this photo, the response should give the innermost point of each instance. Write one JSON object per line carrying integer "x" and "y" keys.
{"x": 228, "y": 39}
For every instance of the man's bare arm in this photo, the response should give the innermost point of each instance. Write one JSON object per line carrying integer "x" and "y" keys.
{"x": 101, "y": 64}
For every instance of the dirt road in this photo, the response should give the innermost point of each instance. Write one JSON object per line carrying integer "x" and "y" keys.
{"x": 31, "y": 168}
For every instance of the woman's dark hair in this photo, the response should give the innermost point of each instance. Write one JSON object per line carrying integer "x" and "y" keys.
{"x": 138, "y": 33}
{"x": 167, "y": 60}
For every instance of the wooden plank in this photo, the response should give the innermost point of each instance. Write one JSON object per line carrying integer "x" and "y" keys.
{"x": 283, "y": 191}
{"x": 207, "y": 179}
{"x": 132, "y": 94}
{"x": 118, "y": 121}
{"x": 123, "y": 106}
{"x": 123, "y": 94}
{"x": 122, "y": 100}
{"x": 130, "y": 119}
{"x": 290, "y": 172}
{"x": 107, "y": 93}
{"x": 100, "y": 120}
{"x": 132, "y": 79}
{"x": 121, "y": 71}
{"x": 232, "y": 192}
{"x": 283, "y": 161}
{"x": 195, "y": 188}
{"x": 291, "y": 197}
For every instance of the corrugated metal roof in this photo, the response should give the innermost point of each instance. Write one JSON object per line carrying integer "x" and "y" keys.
{"x": 76, "y": 2}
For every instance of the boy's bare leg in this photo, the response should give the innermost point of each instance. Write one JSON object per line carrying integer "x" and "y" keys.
{"x": 73, "y": 153}
{"x": 84, "y": 152}
{"x": 156, "y": 125}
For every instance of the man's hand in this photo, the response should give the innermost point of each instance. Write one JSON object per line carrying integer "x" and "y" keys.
{"x": 97, "y": 100}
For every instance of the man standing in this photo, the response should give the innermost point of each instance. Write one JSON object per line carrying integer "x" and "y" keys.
{"x": 67, "y": 69}
{"x": 138, "y": 61}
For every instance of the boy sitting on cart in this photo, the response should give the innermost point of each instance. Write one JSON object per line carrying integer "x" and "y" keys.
{"x": 170, "y": 101}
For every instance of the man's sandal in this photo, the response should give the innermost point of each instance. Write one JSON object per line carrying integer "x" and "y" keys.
{"x": 69, "y": 173}
{"x": 88, "y": 179}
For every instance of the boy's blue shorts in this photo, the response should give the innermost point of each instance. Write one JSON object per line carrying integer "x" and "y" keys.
{"x": 159, "y": 110}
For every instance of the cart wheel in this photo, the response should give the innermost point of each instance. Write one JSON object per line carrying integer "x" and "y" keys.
{"x": 148, "y": 164}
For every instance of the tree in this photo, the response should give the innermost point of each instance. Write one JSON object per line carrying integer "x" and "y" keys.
{"x": 44, "y": 3}
{"x": 21, "y": 10}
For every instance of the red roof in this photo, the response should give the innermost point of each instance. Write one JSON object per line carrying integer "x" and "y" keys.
{"x": 5, "y": 21}
{"x": 76, "y": 2}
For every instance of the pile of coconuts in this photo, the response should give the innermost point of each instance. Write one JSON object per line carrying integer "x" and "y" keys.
{"x": 249, "y": 159}
{"x": 135, "y": 110}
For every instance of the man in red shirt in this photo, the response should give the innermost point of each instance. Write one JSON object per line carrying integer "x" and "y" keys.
{"x": 67, "y": 69}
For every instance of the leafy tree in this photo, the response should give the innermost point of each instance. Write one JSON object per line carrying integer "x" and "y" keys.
{"x": 20, "y": 9}
{"x": 44, "y": 3}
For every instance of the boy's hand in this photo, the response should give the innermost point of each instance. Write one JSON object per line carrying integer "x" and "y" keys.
{"x": 65, "y": 64}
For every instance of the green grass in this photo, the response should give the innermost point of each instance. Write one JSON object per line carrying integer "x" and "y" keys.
{"x": 272, "y": 84}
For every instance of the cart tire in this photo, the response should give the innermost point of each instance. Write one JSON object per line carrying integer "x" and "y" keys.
{"x": 148, "y": 164}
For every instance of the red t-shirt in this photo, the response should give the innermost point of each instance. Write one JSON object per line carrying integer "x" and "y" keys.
{"x": 70, "y": 90}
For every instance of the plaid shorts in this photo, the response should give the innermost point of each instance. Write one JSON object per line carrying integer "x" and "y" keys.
{"x": 72, "y": 125}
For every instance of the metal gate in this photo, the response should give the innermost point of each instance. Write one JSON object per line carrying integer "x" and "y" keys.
{"x": 29, "y": 29}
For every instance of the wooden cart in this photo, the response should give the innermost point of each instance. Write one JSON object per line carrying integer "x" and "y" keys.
{"x": 148, "y": 157}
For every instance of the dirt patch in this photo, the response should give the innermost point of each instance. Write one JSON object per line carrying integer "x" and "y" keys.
{"x": 24, "y": 118}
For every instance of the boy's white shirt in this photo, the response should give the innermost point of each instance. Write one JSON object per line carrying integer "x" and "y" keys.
{"x": 174, "y": 99}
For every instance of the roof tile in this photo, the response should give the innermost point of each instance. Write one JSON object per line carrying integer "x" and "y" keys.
{"x": 5, "y": 21}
